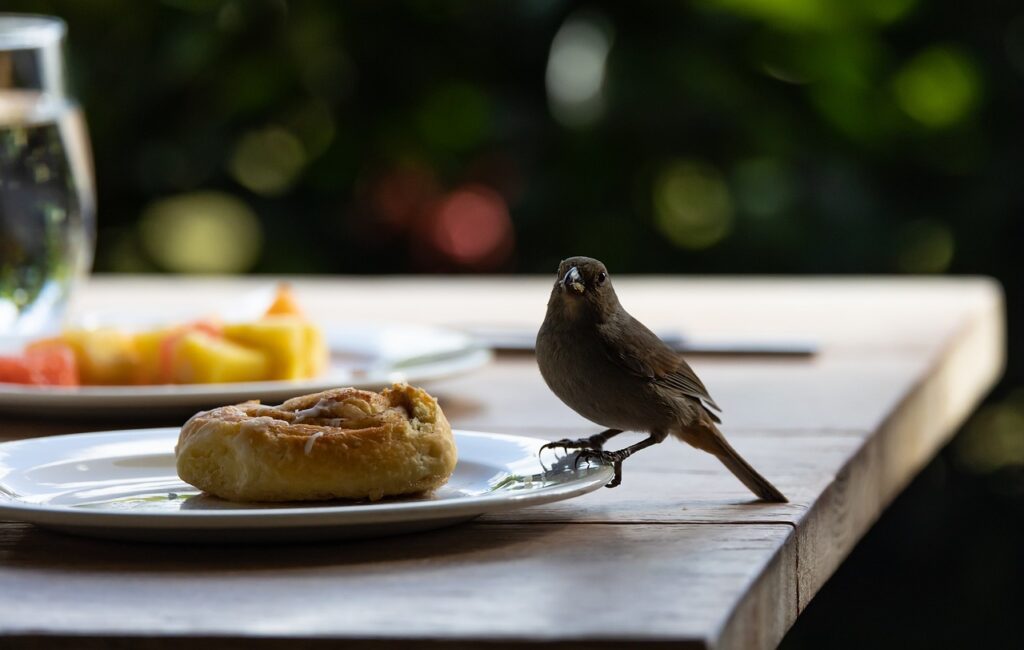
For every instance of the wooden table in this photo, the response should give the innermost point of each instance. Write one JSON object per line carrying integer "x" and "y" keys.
{"x": 678, "y": 554}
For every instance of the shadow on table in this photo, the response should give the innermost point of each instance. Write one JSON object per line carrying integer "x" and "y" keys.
{"x": 28, "y": 547}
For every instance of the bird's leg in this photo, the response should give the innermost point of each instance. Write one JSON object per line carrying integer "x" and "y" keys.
{"x": 615, "y": 458}
{"x": 595, "y": 441}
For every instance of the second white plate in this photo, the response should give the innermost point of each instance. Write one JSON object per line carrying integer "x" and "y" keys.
{"x": 367, "y": 355}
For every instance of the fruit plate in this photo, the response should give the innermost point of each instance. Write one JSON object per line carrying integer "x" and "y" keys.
{"x": 123, "y": 485}
{"x": 365, "y": 355}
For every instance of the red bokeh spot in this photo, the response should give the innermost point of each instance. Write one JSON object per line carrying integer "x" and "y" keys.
{"x": 471, "y": 227}
{"x": 399, "y": 196}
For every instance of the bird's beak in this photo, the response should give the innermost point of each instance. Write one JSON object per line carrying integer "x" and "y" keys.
{"x": 573, "y": 280}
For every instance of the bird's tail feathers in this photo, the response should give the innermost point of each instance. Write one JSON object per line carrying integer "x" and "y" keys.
{"x": 711, "y": 440}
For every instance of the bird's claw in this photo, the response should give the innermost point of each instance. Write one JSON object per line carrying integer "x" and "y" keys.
{"x": 590, "y": 449}
{"x": 595, "y": 442}
{"x": 564, "y": 443}
{"x": 605, "y": 457}
{"x": 599, "y": 455}
{"x": 569, "y": 443}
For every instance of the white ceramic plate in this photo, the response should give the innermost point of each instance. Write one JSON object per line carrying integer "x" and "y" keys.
{"x": 123, "y": 485}
{"x": 366, "y": 355}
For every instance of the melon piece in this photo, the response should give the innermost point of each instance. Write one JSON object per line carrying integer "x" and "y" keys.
{"x": 200, "y": 358}
{"x": 48, "y": 362}
{"x": 52, "y": 363}
{"x": 294, "y": 346}
{"x": 15, "y": 370}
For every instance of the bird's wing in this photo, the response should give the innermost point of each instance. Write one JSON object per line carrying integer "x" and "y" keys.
{"x": 643, "y": 354}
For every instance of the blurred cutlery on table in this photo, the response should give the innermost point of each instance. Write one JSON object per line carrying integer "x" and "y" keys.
{"x": 523, "y": 339}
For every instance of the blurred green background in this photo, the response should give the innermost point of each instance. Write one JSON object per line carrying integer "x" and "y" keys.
{"x": 718, "y": 136}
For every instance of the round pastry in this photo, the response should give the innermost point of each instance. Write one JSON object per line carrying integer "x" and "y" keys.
{"x": 339, "y": 444}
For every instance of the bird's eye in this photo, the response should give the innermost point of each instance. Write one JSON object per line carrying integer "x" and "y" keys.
{"x": 601, "y": 277}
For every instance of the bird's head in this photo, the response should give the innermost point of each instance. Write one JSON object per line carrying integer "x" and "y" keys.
{"x": 584, "y": 282}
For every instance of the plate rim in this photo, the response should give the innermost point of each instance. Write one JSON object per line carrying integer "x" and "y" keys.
{"x": 67, "y": 516}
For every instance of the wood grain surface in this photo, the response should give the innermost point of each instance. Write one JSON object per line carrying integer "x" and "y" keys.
{"x": 679, "y": 554}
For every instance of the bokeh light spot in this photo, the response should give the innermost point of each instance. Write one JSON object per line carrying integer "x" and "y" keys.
{"x": 939, "y": 87}
{"x": 796, "y": 15}
{"x": 201, "y": 232}
{"x": 267, "y": 162}
{"x": 313, "y": 125}
{"x": 764, "y": 187}
{"x": 692, "y": 207}
{"x": 456, "y": 116}
{"x": 886, "y": 11}
{"x": 817, "y": 15}
{"x": 229, "y": 17}
{"x": 399, "y": 196}
{"x": 471, "y": 227}
{"x": 317, "y": 52}
{"x": 994, "y": 437}
{"x": 926, "y": 246}
{"x": 576, "y": 69}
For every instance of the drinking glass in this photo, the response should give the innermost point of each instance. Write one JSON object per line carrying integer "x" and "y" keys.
{"x": 47, "y": 197}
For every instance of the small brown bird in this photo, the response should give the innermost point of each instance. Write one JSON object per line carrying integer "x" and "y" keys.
{"x": 605, "y": 365}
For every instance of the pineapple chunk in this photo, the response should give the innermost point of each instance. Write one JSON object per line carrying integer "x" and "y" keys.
{"x": 156, "y": 349}
{"x": 295, "y": 347}
{"x": 153, "y": 356}
{"x": 105, "y": 356}
{"x": 317, "y": 355}
{"x": 200, "y": 358}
